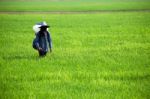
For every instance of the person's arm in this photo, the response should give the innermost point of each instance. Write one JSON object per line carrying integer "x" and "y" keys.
{"x": 37, "y": 42}
{"x": 49, "y": 41}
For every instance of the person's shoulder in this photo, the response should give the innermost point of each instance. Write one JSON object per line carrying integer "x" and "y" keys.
{"x": 37, "y": 33}
{"x": 48, "y": 32}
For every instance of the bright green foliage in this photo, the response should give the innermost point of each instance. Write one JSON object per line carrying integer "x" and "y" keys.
{"x": 103, "y": 56}
{"x": 83, "y": 5}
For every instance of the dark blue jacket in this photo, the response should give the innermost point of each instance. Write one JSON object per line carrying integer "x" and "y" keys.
{"x": 42, "y": 40}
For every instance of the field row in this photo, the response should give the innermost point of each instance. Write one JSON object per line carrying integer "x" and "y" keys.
{"x": 75, "y": 6}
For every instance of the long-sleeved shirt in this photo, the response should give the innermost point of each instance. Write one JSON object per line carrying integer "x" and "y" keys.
{"x": 42, "y": 40}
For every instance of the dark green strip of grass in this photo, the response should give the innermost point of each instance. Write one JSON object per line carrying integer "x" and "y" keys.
{"x": 73, "y": 6}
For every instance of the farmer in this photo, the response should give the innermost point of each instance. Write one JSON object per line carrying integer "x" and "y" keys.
{"x": 43, "y": 41}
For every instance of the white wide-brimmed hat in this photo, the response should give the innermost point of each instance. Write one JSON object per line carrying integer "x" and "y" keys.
{"x": 37, "y": 26}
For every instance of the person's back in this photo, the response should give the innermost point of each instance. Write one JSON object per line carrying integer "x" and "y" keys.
{"x": 43, "y": 42}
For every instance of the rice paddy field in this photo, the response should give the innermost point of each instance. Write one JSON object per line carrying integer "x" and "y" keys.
{"x": 73, "y": 5}
{"x": 104, "y": 55}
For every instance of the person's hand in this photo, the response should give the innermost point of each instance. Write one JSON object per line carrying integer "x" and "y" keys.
{"x": 50, "y": 50}
{"x": 40, "y": 49}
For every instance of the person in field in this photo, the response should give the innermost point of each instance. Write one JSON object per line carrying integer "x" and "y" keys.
{"x": 42, "y": 42}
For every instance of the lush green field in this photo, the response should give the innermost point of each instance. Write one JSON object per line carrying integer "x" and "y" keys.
{"x": 99, "y": 56}
{"x": 103, "y": 56}
{"x": 73, "y": 5}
